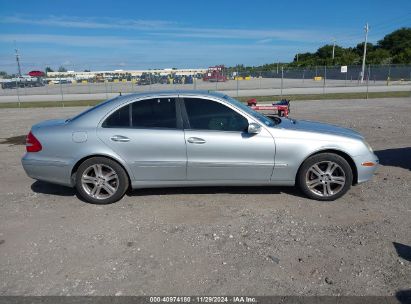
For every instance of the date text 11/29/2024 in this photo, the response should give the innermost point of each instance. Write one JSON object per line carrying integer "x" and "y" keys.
{"x": 203, "y": 299}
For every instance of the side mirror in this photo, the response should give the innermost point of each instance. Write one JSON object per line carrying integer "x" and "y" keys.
{"x": 254, "y": 128}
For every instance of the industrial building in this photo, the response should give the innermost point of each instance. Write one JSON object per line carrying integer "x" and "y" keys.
{"x": 123, "y": 74}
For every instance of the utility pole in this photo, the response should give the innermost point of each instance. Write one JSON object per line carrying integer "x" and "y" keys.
{"x": 333, "y": 49}
{"x": 17, "y": 58}
{"x": 366, "y": 29}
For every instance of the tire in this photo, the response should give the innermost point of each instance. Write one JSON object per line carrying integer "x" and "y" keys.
{"x": 100, "y": 180}
{"x": 325, "y": 177}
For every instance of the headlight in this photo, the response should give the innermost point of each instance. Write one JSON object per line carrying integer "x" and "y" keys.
{"x": 368, "y": 147}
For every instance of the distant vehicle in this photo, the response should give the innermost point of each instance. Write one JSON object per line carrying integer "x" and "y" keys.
{"x": 189, "y": 79}
{"x": 190, "y": 138}
{"x": 145, "y": 79}
{"x": 61, "y": 81}
{"x": 23, "y": 82}
{"x": 163, "y": 79}
{"x": 177, "y": 79}
{"x": 215, "y": 74}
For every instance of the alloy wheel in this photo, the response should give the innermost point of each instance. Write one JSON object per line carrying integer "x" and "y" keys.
{"x": 325, "y": 178}
{"x": 100, "y": 181}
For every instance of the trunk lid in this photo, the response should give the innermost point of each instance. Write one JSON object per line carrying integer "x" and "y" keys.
{"x": 50, "y": 123}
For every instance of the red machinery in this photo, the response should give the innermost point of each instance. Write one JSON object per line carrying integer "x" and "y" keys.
{"x": 36, "y": 74}
{"x": 215, "y": 74}
{"x": 282, "y": 107}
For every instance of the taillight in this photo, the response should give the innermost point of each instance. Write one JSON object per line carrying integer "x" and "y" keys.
{"x": 32, "y": 143}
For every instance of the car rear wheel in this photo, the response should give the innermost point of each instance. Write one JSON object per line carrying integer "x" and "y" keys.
{"x": 100, "y": 180}
{"x": 325, "y": 177}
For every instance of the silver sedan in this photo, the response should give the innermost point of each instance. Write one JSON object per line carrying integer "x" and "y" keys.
{"x": 191, "y": 138}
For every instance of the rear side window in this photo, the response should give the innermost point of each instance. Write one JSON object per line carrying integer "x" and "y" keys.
{"x": 148, "y": 113}
{"x": 119, "y": 119}
{"x": 154, "y": 113}
{"x": 206, "y": 114}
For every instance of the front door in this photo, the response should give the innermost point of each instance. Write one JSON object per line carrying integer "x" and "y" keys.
{"x": 219, "y": 147}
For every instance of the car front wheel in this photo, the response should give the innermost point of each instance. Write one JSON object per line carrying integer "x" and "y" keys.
{"x": 101, "y": 180}
{"x": 325, "y": 177}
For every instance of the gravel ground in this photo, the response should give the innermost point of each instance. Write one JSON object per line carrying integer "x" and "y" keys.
{"x": 211, "y": 241}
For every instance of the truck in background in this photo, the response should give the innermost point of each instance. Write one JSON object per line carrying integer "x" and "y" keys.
{"x": 215, "y": 74}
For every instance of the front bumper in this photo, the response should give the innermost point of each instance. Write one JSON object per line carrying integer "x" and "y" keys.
{"x": 366, "y": 172}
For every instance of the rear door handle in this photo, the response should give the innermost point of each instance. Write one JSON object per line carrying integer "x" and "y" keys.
{"x": 196, "y": 140}
{"x": 120, "y": 138}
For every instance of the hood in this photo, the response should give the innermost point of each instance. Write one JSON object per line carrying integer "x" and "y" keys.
{"x": 318, "y": 127}
{"x": 50, "y": 123}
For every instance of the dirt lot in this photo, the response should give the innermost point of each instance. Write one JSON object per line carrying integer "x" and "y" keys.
{"x": 259, "y": 241}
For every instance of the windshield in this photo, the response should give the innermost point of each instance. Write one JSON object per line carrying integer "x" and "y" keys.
{"x": 260, "y": 117}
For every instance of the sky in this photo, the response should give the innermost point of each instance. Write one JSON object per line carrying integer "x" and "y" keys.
{"x": 108, "y": 35}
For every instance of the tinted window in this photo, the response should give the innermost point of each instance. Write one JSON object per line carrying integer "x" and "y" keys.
{"x": 154, "y": 113}
{"x": 119, "y": 119}
{"x": 206, "y": 114}
{"x": 149, "y": 113}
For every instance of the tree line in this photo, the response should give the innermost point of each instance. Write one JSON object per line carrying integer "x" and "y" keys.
{"x": 394, "y": 48}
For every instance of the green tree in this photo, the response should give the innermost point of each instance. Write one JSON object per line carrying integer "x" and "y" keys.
{"x": 3, "y": 74}
{"x": 403, "y": 56}
{"x": 397, "y": 41}
{"x": 62, "y": 69}
{"x": 325, "y": 52}
{"x": 378, "y": 56}
{"x": 359, "y": 49}
{"x": 48, "y": 69}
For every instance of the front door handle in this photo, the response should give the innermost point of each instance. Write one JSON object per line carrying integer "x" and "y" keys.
{"x": 120, "y": 138}
{"x": 196, "y": 140}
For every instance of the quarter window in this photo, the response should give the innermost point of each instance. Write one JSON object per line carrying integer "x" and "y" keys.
{"x": 119, "y": 119}
{"x": 206, "y": 114}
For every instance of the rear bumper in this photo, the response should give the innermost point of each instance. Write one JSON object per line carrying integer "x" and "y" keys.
{"x": 53, "y": 171}
{"x": 365, "y": 173}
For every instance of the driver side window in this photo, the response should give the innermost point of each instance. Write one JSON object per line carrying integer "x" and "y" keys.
{"x": 206, "y": 114}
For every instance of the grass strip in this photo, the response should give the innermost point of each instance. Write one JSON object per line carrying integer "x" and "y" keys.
{"x": 85, "y": 103}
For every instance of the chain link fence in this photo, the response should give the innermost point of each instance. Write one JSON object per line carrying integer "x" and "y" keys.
{"x": 236, "y": 82}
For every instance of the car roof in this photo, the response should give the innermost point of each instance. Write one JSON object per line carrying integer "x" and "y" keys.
{"x": 97, "y": 111}
{"x": 153, "y": 94}
{"x": 172, "y": 92}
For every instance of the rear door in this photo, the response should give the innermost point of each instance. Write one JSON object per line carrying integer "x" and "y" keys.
{"x": 219, "y": 146}
{"x": 148, "y": 135}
